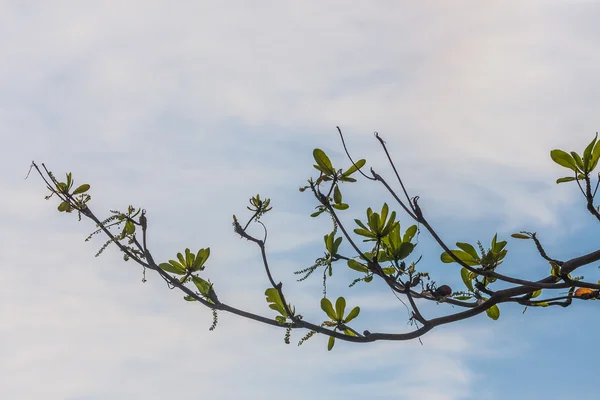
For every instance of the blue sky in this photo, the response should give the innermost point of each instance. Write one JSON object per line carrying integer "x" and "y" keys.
{"x": 188, "y": 109}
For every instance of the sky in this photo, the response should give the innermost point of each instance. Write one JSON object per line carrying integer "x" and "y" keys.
{"x": 188, "y": 108}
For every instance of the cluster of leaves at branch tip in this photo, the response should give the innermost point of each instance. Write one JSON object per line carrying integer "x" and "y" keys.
{"x": 488, "y": 260}
{"x": 329, "y": 174}
{"x": 187, "y": 265}
{"x": 337, "y": 320}
{"x": 76, "y": 199}
{"x": 580, "y": 166}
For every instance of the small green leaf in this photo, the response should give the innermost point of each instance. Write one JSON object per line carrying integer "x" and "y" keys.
{"x": 189, "y": 298}
{"x": 595, "y": 155}
{"x": 317, "y": 213}
{"x": 520, "y": 236}
{"x": 355, "y": 265}
{"x": 566, "y": 179}
{"x": 82, "y": 189}
{"x": 337, "y": 195}
{"x": 340, "y": 307}
{"x": 461, "y": 255}
{"x": 340, "y": 206}
{"x": 328, "y": 308}
{"x": 410, "y": 233}
{"x": 357, "y": 165}
{"x": 352, "y": 314}
{"x": 463, "y": 297}
{"x": 493, "y": 312}
{"x": 536, "y": 293}
{"x": 173, "y": 267}
{"x": 587, "y": 154}
{"x": 578, "y": 160}
{"x": 466, "y": 277}
{"x": 64, "y": 206}
{"x": 274, "y": 301}
{"x": 323, "y": 161}
{"x": 466, "y": 247}
{"x": 563, "y": 159}
{"x": 202, "y": 285}
{"x": 330, "y": 343}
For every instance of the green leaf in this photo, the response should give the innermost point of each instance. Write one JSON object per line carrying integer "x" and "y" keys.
{"x": 578, "y": 160}
{"x": 181, "y": 259}
{"x": 410, "y": 233}
{"x": 355, "y": 265}
{"x": 64, "y": 206}
{"x": 337, "y": 195}
{"x": 340, "y": 307}
{"x": 129, "y": 228}
{"x": 330, "y": 343}
{"x": 336, "y": 245}
{"x": 466, "y": 247}
{"x": 82, "y": 189}
{"x": 173, "y": 267}
{"x": 189, "y": 298}
{"x": 374, "y": 223}
{"x": 405, "y": 249}
{"x": 466, "y": 277}
{"x": 202, "y": 285}
{"x": 323, "y": 161}
{"x": 357, "y": 165}
{"x": 200, "y": 259}
{"x": 493, "y": 312}
{"x": 461, "y": 255}
{"x": 520, "y": 236}
{"x": 463, "y": 297}
{"x": 352, "y": 314}
{"x": 587, "y": 154}
{"x": 364, "y": 232}
{"x": 317, "y": 213}
{"x": 595, "y": 155}
{"x": 275, "y": 301}
{"x": 340, "y": 206}
{"x": 536, "y": 293}
{"x": 566, "y": 179}
{"x": 328, "y": 308}
{"x": 563, "y": 159}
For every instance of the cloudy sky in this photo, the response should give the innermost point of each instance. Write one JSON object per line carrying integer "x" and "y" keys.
{"x": 188, "y": 108}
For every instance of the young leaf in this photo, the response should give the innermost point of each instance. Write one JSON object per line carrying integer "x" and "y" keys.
{"x": 410, "y": 233}
{"x": 564, "y": 159}
{"x": 328, "y": 308}
{"x": 352, "y": 314}
{"x": 202, "y": 285}
{"x": 357, "y": 165}
{"x": 520, "y": 236}
{"x": 578, "y": 161}
{"x": 340, "y": 206}
{"x": 466, "y": 277}
{"x": 536, "y": 293}
{"x": 565, "y": 179}
{"x": 173, "y": 267}
{"x": 330, "y": 343}
{"x": 337, "y": 195}
{"x": 587, "y": 154}
{"x": 355, "y": 265}
{"x": 82, "y": 189}
{"x": 323, "y": 161}
{"x": 461, "y": 255}
{"x": 466, "y": 247}
{"x": 493, "y": 312}
{"x": 340, "y": 307}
